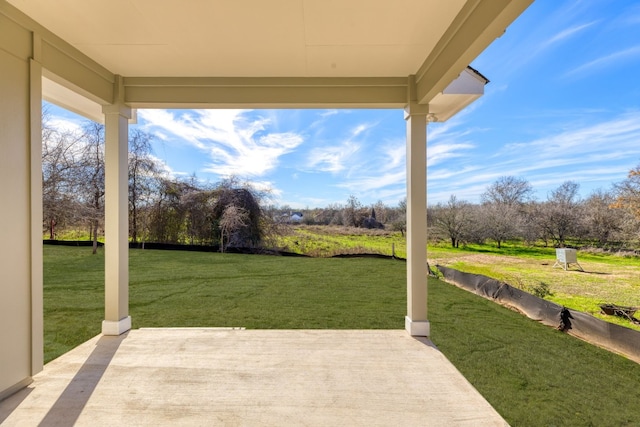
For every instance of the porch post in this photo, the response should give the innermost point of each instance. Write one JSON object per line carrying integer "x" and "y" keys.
{"x": 416, "y": 322}
{"x": 116, "y": 292}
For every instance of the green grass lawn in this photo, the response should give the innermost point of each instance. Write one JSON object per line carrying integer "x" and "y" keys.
{"x": 533, "y": 375}
{"x": 608, "y": 278}
{"x": 212, "y": 289}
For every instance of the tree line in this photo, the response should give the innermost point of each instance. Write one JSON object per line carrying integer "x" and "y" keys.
{"x": 351, "y": 214}
{"x": 168, "y": 209}
{"x": 162, "y": 208}
{"x": 507, "y": 211}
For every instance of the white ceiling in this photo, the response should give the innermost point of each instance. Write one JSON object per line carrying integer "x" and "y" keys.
{"x": 250, "y": 38}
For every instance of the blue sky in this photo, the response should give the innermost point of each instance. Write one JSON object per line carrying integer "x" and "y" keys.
{"x": 563, "y": 104}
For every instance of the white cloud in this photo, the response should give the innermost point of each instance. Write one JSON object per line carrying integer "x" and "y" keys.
{"x": 448, "y": 174}
{"x": 439, "y": 153}
{"x": 571, "y": 146}
{"x": 165, "y": 120}
{"x": 267, "y": 189}
{"x": 332, "y": 159}
{"x": 593, "y": 155}
{"x": 165, "y": 169}
{"x": 565, "y": 34}
{"x": 64, "y": 125}
{"x": 236, "y": 143}
{"x": 394, "y": 156}
{"x": 250, "y": 156}
{"x": 359, "y": 129}
{"x": 369, "y": 183}
{"x": 324, "y": 116}
{"x": 364, "y": 165}
{"x": 328, "y": 113}
{"x": 611, "y": 59}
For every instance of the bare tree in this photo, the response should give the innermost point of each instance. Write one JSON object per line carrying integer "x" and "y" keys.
{"x": 198, "y": 202}
{"x": 59, "y": 160}
{"x": 502, "y": 208}
{"x": 560, "y": 215}
{"x": 629, "y": 227}
{"x": 251, "y": 231}
{"x": 601, "y": 219}
{"x": 531, "y": 228}
{"x": 508, "y": 190}
{"x": 627, "y": 200}
{"x": 353, "y": 213}
{"x": 627, "y": 193}
{"x": 143, "y": 172}
{"x": 453, "y": 219}
{"x": 167, "y": 213}
{"x": 331, "y": 214}
{"x": 89, "y": 178}
{"x": 382, "y": 212}
{"x": 233, "y": 218}
{"x": 398, "y": 217}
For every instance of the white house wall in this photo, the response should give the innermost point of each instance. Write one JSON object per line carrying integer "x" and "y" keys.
{"x": 16, "y": 336}
{"x": 27, "y": 51}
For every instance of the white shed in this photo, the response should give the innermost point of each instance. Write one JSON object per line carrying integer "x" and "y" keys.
{"x": 565, "y": 257}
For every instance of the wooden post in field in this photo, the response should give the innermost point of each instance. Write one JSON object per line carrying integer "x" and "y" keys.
{"x": 393, "y": 250}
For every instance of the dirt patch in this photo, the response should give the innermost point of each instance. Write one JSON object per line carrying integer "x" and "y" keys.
{"x": 481, "y": 259}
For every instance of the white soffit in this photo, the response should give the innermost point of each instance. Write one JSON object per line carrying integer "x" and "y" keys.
{"x": 461, "y": 92}
{"x": 66, "y": 98}
{"x": 250, "y": 38}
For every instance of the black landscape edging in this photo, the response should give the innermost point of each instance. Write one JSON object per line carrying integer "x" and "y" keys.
{"x": 613, "y": 337}
{"x": 70, "y": 242}
{"x": 214, "y": 248}
{"x": 207, "y": 248}
{"x": 381, "y": 256}
{"x": 173, "y": 247}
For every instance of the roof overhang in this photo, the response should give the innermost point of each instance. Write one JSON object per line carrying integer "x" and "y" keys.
{"x": 64, "y": 97}
{"x": 252, "y": 53}
{"x": 461, "y": 92}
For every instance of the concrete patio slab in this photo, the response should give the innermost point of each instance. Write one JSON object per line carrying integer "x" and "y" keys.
{"x": 237, "y": 377}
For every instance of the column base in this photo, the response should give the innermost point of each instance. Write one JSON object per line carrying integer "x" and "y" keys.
{"x": 110, "y": 327}
{"x": 418, "y": 328}
{"x": 15, "y": 388}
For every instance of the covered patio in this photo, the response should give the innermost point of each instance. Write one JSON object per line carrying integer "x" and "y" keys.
{"x": 106, "y": 59}
{"x": 153, "y": 377}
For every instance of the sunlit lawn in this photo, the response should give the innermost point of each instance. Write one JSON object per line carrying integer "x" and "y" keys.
{"x": 533, "y": 375}
{"x": 607, "y": 279}
{"x": 205, "y": 289}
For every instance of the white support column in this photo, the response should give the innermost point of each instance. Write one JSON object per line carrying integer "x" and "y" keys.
{"x": 416, "y": 322}
{"x": 37, "y": 319}
{"x": 117, "y": 319}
